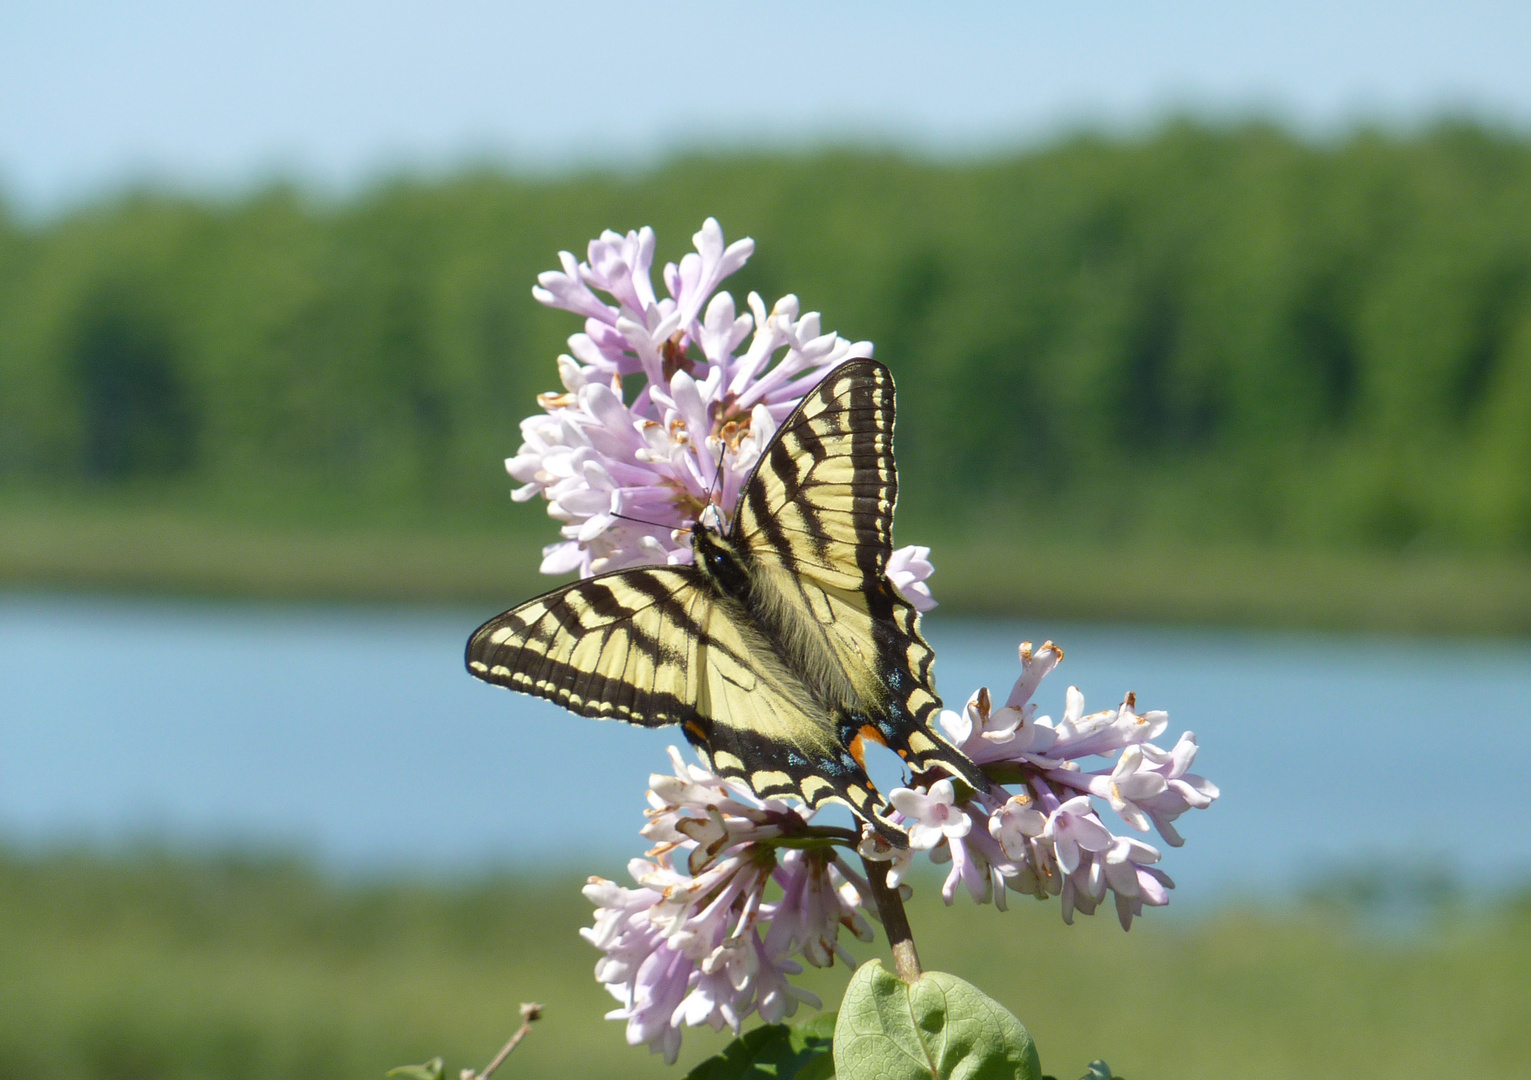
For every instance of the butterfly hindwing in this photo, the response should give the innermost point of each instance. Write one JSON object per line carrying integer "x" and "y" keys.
{"x": 761, "y": 726}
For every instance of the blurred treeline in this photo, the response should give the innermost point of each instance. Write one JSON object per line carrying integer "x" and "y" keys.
{"x": 1218, "y": 333}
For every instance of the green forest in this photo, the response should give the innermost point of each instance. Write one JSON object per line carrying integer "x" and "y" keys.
{"x": 1202, "y": 338}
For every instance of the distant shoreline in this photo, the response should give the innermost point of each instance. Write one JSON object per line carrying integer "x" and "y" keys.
{"x": 170, "y": 552}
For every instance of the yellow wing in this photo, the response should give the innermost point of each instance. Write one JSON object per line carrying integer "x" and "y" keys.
{"x": 656, "y": 646}
{"x": 821, "y": 499}
{"x": 622, "y": 645}
{"x": 817, "y": 521}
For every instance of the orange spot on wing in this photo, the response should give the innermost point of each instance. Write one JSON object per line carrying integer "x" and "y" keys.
{"x": 858, "y": 744}
{"x": 695, "y": 731}
{"x": 858, "y": 752}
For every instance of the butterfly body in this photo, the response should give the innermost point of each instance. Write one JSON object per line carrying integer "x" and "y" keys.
{"x": 783, "y": 647}
{"x": 759, "y": 596}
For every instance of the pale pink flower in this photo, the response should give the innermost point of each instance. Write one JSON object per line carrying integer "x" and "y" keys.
{"x": 978, "y": 861}
{"x": 908, "y": 568}
{"x": 932, "y": 816}
{"x": 698, "y": 942}
{"x": 1072, "y": 827}
{"x": 874, "y": 847}
{"x": 627, "y": 476}
{"x": 1016, "y": 824}
{"x": 1048, "y": 838}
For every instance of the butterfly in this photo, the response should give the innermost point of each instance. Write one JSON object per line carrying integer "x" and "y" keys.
{"x": 783, "y": 648}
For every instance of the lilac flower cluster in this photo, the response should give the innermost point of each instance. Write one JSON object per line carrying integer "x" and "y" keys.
{"x": 736, "y": 889}
{"x": 690, "y": 437}
{"x": 698, "y": 942}
{"x": 1048, "y": 838}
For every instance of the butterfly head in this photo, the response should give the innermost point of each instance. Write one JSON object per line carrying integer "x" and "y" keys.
{"x": 710, "y": 517}
{"x": 717, "y": 559}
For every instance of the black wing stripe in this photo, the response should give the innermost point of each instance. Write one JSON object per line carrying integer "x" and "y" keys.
{"x": 875, "y": 529}
{"x": 673, "y": 709}
{"x": 603, "y": 601}
{"x": 784, "y": 464}
{"x": 848, "y": 418}
{"x": 674, "y": 611}
{"x": 625, "y": 626}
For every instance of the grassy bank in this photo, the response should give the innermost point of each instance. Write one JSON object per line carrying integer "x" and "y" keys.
{"x": 157, "y": 549}
{"x": 150, "y": 967}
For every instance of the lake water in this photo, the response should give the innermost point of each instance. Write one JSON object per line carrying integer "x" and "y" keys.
{"x": 353, "y": 734}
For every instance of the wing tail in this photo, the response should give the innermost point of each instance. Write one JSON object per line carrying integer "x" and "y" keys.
{"x": 925, "y": 749}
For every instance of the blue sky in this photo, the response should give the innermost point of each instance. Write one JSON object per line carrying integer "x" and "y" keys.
{"x": 209, "y": 95}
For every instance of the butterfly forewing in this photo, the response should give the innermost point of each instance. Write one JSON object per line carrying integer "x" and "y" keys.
{"x": 620, "y": 646}
{"x": 821, "y": 499}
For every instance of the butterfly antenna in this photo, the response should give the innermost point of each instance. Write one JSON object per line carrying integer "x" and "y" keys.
{"x": 641, "y": 521}
{"x": 717, "y": 477}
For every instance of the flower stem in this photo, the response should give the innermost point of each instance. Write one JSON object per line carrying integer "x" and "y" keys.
{"x": 530, "y": 1013}
{"x": 895, "y": 923}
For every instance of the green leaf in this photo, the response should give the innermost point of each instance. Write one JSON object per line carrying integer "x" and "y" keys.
{"x": 819, "y": 1068}
{"x": 941, "y": 1028}
{"x": 775, "y": 1050}
{"x": 431, "y": 1070}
